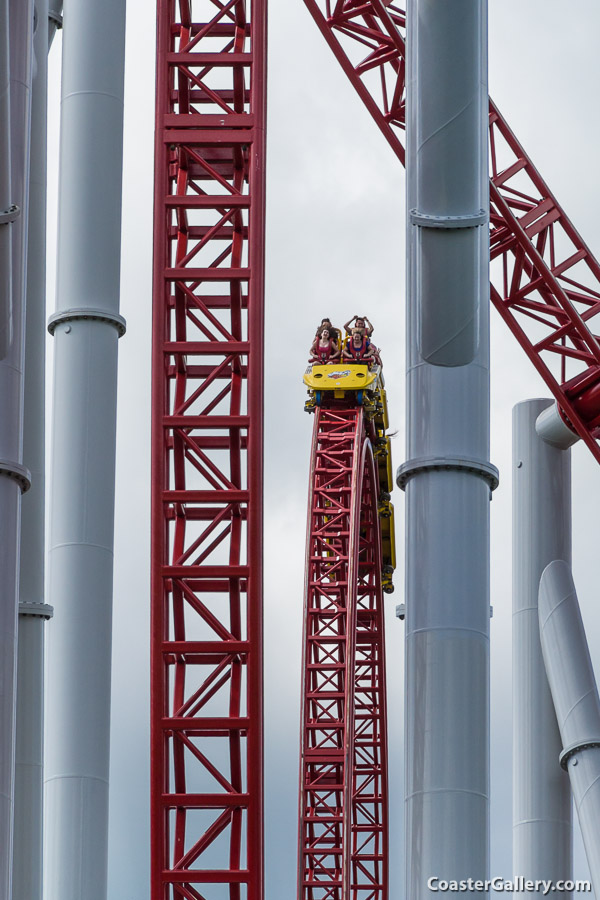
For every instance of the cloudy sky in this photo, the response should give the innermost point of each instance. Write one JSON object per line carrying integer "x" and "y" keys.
{"x": 335, "y": 246}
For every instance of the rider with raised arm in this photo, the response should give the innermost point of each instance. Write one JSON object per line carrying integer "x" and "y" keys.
{"x": 360, "y": 322}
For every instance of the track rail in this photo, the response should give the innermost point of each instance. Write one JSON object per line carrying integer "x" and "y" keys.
{"x": 343, "y": 779}
{"x": 545, "y": 282}
{"x": 207, "y": 407}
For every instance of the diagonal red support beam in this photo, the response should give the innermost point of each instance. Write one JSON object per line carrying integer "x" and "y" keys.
{"x": 539, "y": 260}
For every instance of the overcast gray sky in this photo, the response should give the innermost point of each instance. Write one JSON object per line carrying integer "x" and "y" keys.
{"x": 335, "y": 246}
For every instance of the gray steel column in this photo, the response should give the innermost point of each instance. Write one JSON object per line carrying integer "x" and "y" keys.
{"x": 27, "y": 852}
{"x": 8, "y": 209}
{"x": 542, "y": 818}
{"x": 28, "y": 819}
{"x": 448, "y": 477}
{"x": 86, "y": 328}
{"x": 575, "y": 696}
{"x": 16, "y": 19}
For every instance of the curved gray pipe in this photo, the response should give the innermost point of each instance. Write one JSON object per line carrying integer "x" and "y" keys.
{"x": 575, "y": 696}
{"x": 552, "y": 428}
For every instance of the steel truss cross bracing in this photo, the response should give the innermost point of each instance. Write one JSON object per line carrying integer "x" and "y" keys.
{"x": 206, "y": 804}
{"x": 343, "y": 777}
{"x": 545, "y": 282}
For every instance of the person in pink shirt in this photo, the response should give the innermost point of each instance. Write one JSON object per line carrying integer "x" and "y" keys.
{"x": 325, "y": 348}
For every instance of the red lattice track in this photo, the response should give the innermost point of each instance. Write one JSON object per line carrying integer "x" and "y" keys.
{"x": 343, "y": 779}
{"x": 545, "y": 280}
{"x": 206, "y": 722}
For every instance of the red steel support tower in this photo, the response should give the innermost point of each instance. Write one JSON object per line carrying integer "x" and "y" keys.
{"x": 207, "y": 463}
{"x": 343, "y": 850}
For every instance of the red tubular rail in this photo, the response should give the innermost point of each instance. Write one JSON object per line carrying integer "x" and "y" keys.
{"x": 207, "y": 439}
{"x": 343, "y": 847}
{"x": 545, "y": 282}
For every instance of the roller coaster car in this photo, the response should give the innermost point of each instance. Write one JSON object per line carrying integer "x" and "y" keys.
{"x": 336, "y": 384}
{"x": 344, "y": 384}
